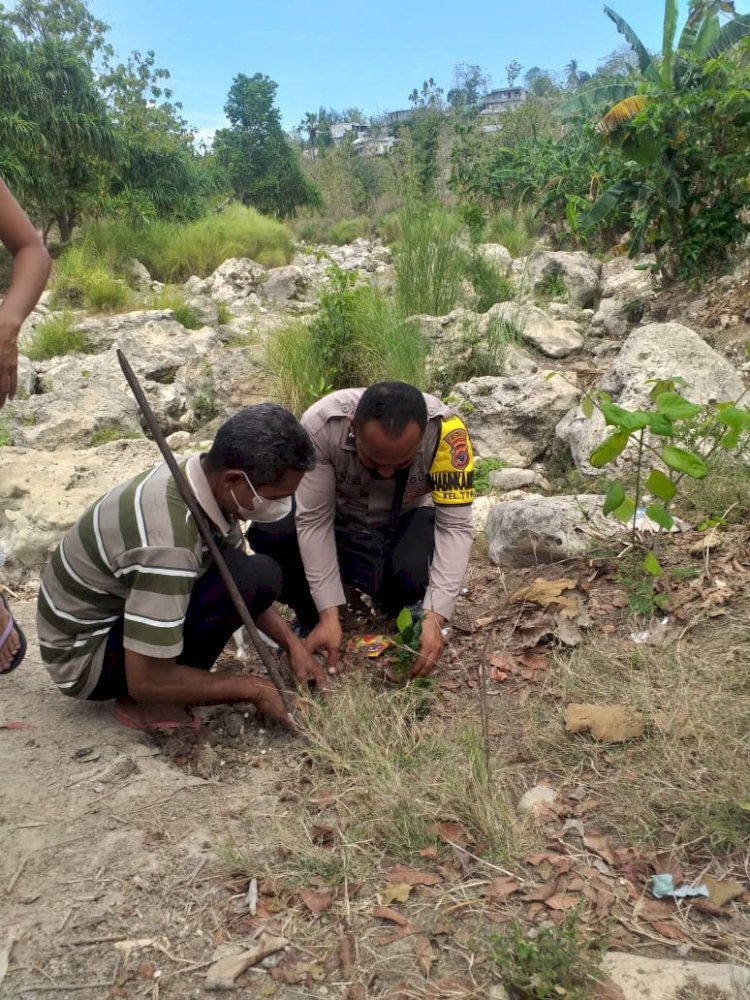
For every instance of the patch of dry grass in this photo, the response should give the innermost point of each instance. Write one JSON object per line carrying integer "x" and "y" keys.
{"x": 381, "y": 770}
{"x": 686, "y": 780}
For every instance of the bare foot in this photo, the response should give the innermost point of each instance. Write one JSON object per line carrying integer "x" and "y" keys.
{"x": 12, "y": 644}
{"x": 154, "y": 715}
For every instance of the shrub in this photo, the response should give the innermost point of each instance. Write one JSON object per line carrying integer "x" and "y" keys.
{"x": 552, "y": 288}
{"x": 490, "y": 284}
{"x": 57, "y": 336}
{"x": 112, "y": 432}
{"x": 429, "y": 265}
{"x": 389, "y": 228}
{"x": 103, "y": 293}
{"x": 477, "y": 355}
{"x": 173, "y": 252}
{"x": 357, "y": 338}
{"x": 517, "y": 232}
{"x": 172, "y": 298}
{"x": 6, "y": 437}
{"x": 71, "y": 275}
{"x": 224, "y": 314}
{"x": 349, "y": 230}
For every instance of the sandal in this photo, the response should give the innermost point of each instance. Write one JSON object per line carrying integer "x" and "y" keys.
{"x": 5, "y": 635}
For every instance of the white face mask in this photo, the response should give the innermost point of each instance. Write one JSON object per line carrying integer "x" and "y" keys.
{"x": 264, "y": 511}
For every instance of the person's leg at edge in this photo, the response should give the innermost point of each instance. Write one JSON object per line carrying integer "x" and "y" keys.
{"x": 407, "y": 570}
{"x": 210, "y": 621}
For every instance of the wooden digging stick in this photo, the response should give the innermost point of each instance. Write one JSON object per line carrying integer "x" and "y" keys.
{"x": 208, "y": 538}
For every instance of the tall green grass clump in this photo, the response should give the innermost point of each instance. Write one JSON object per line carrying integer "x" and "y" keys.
{"x": 477, "y": 353}
{"x": 56, "y": 336}
{"x": 358, "y": 337}
{"x": 516, "y": 231}
{"x": 81, "y": 279}
{"x": 172, "y": 298}
{"x": 173, "y": 252}
{"x": 429, "y": 260}
{"x": 488, "y": 281}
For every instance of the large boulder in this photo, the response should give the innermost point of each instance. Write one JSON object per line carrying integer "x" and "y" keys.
{"x": 557, "y": 338}
{"x": 514, "y": 417}
{"x": 236, "y": 283}
{"x": 42, "y": 493}
{"x": 497, "y": 255}
{"x": 580, "y": 272}
{"x": 533, "y": 529}
{"x": 104, "y": 331}
{"x": 655, "y": 351}
{"x": 288, "y": 284}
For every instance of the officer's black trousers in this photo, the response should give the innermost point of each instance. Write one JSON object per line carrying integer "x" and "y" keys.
{"x": 392, "y": 565}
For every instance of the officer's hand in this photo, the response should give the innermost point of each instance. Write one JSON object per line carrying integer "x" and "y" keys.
{"x": 431, "y": 645}
{"x": 306, "y": 668}
{"x": 327, "y": 637}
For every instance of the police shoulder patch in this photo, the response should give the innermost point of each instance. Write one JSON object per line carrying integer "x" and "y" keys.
{"x": 451, "y": 475}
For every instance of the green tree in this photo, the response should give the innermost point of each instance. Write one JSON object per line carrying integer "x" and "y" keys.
{"x": 262, "y": 165}
{"x": 158, "y": 173}
{"x": 470, "y": 84}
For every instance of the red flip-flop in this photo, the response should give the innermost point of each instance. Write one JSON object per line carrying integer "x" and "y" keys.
{"x": 12, "y": 624}
{"x": 119, "y": 715}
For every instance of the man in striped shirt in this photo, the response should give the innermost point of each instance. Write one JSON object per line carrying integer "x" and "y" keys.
{"x": 131, "y": 606}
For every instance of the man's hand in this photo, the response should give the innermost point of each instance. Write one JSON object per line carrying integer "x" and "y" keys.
{"x": 268, "y": 703}
{"x": 306, "y": 668}
{"x": 327, "y": 637}
{"x": 431, "y": 645}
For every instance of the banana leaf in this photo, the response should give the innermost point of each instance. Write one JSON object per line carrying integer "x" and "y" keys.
{"x": 596, "y": 97}
{"x": 667, "y": 50}
{"x": 612, "y": 198}
{"x": 621, "y": 113}
{"x": 644, "y": 57}
{"x": 732, "y": 33}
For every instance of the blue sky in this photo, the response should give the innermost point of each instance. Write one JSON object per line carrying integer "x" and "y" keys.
{"x": 341, "y": 53}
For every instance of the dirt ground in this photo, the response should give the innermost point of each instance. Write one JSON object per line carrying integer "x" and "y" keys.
{"x": 124, "y": 858}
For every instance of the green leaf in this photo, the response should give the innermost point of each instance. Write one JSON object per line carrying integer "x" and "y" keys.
{"x": 608, "y": 450}
{"x": 685, "y": 462}
{"x": 667, "y": 48}
{"x": 734, "y": 416}
{"x": 614, "y": 499}
{"x": 627, "y": 420}
{"x": 587, "y": 405}
{"x": 730, "y": 440}
{"x": 644, "y": 57}
{"x": 651, "y": 564}
{"x": 732, "y": 33}
{"x": 606, "y": 204}
{"x": 661, "y": 425}
{"x": 661, "y": 516}
{"x": 598, "y": 97}
{"x": 625, "y": 511}
{"x": 660, "y": 485}
{"x": 404, "y": 619}
{"x": 659, "y": 386}
{"x": 675, "y": 406}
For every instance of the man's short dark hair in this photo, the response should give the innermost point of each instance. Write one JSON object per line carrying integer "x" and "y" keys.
{"x": 394, "y": 405}
{"x": 265, "y": 441}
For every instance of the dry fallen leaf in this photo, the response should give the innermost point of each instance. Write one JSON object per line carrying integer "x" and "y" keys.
{"x": 316, "y": 901}
{"x": 545, "y": 592}
{"x": 396, "y": 893}
{"x": 452, "y": 833}
{"x": 410, "y": 876}
{"x": 501, "y": 888}
{"x": 670, "y": 931}
{"x": 608, "y": 723}
{"x": 429, "y": 852}
{"x": 721, "y": 892}
{"x": 222, "y": 973}
{"x": 425, "y": 954}
{"x": 386, "y": 913}
{"x": 562, "y": 901}
{"x": 607, "y": 990}
{"x": 599, "y": 844}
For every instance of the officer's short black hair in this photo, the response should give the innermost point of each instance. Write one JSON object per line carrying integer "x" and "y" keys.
{"x": 394, "y": 405}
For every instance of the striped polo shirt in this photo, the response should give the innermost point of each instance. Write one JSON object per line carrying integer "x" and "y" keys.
{"x": 135, "y": 554}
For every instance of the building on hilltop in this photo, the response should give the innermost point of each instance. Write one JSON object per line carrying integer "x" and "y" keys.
{"x": 505, "y": 99}
{"x": 374, "y": 145}
{"x": 340, "y": 129}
